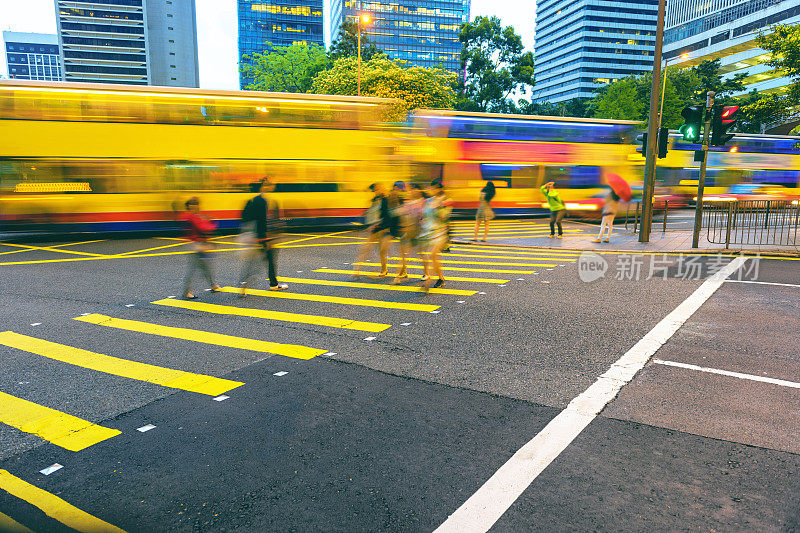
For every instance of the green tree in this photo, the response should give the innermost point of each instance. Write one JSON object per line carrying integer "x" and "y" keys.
{"x": 346, "y": 43}
{"x": 710, "y": 79}
{"x": 288, "y": 69}
{"x": 414, "y": 87}
{"x": 495, "y": 65}
{"x": 622, "y": 100}
{"x": 783, "y": 43}
{"x": 759, "y": 110}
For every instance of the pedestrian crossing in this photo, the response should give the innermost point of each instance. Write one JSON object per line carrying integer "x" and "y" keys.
{"x": 75, "y": 433}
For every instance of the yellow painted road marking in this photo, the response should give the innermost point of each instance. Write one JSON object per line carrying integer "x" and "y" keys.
{"x": 166, "y": 377}
{"x": 344, "y": 323}
{"x": 185, "y": 241}
{"x": 69, "y": 432}
{"x": 288, "y": 350}
{"x": 310, "y": 245}
{"x": 130, "y": 256}
{"x": 528, "y": 249}
{"x": 357, "y": 285}
{"x": 10, "y": 525}
{"x": 53, "y": 246}
{"x": 336, "y": 299}
{"x": 54, "y": 507}
{"x": 329, "y": 235}
{"x": 567, "y": 259}
{"x": 51, "y": 249}
{"x": 456, "y": 269}
{"x": 531, "y": 251}
{"x": 506, "y": 234}
{"x": 417, "y": 276}
{"x": 448, "y": 261}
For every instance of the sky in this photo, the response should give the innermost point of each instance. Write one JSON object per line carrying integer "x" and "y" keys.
{"x": 217, "y": 29}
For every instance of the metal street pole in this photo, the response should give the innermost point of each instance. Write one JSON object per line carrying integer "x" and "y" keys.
{"x": 359, "y": 48}
{"x": 652, "y": 132}
{"x": 663, "y": 90}
{"x": 701, "y": 183}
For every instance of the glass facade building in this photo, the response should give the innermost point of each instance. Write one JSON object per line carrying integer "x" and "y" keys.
{"x": 139, "y": 42}
{"x": 726, "y": 30}
{"x": 584, "y": 44}
{"x": 423, "y": 32}
{"x": 280, "y": 22}
{"x": 32, "y": 56}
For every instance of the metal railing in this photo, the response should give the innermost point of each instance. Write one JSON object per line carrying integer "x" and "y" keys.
{"x": 753, "y": 222}
{"x": 634, "y": 210}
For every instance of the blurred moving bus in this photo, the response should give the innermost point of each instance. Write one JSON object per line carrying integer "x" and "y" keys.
{"x": 769, "y": 160}
{"x": 99, "y": 157}
{"x": 519, "y": 153}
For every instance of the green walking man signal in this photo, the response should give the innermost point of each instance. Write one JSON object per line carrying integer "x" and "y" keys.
{"x": 692, "y": 129}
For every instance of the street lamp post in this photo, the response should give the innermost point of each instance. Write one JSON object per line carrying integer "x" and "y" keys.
{"x": 664, "y": 89}
{"x": 362, "y": 17}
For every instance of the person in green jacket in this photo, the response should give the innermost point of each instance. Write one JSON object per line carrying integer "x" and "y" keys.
{"x": 557, "y": 208}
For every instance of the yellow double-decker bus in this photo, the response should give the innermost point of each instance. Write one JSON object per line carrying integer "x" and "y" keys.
{"x": 90, "y": 157}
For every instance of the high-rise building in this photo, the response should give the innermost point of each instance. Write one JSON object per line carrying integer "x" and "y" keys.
{"x": 140, "y": 42}
{"x": 279, "y": 22}
{"x": 584, "y": 44}
{"x": 726, "y": 30}
{"x": 423, "y": 32}
{"x": 32, "y": 56}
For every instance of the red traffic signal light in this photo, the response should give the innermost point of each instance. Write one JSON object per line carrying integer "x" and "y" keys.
{"x": 722, "y": 119}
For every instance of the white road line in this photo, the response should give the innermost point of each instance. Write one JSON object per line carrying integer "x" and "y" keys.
{"x": 493, "y": 498}
{"x": 773, "y": 381}
{"x": 761, "y": 282}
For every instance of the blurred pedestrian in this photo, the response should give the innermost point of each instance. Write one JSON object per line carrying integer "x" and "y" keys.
{"x": 557, "y": 208}
{"x": 610, "y": 209}
{"x": 378, "y": 220}
{"x": 262, "y": 214}
{"x": 198, "y": 230}
{"x": 435, "y": 217}
{"x": 410, "y": 221}
{"x": 485, "y": 213}
{"x": 447, "y": 203}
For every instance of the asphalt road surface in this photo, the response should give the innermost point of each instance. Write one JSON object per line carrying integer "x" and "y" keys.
{"x": 539, "y": 391}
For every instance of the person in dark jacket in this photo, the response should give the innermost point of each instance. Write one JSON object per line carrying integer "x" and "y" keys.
{"x": 198, "y": 229}
{"x": 380, "y": 221}
{"x": 261, "y": 215}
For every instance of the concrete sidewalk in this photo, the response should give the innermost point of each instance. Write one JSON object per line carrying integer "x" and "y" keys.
{"x": 622, "y": 240}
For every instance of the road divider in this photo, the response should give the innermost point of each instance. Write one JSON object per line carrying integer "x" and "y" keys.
{"x": 64, "y": 430}
{"x": 335, "y": 299}
{"x": 333, "y": 322}
{"x": 206, "y": 337}
{"x": 166, "y": 377}
{"x": 53, "y": 506}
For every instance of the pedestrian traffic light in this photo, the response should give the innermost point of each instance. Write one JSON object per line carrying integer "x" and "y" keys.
{"x": 693, "y": 123}
{"x": 663, "y": 139}
{"x": 642, "y": 138}
{"x": 723, "y": 118}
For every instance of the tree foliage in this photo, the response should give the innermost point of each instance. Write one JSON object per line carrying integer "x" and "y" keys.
{"x": 415, "y": 87}
{"x": 495, "y": 65}
{"x": 759, "y": 110}
{"x": 288, "y": 69}
{"x": 346, "y": 43}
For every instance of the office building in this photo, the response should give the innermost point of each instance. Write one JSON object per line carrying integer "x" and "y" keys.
{"x": 140, "y": 42}
{"x": 32, "y": 56}
{"x": 698, "y": 30}
{"x": 279, "y": 22}
{"x": 582, "y": 45}
{"x": 423, "y": 32}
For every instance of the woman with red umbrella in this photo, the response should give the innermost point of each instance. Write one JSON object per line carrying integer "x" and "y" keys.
{"x": 620, "y": 189}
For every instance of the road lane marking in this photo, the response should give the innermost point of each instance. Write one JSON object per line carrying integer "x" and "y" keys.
{"x": 69, "y": 432}
{"x": 10, "y": 525}
{"x": 451, "y": 262}
{"x": 416, "y": 276}
{"x": 184, "y": 241}
{"x": 52, "y": 249}
{"x": 752, "y": 377}
{"x": 53, "y": 506}
{"x": 312, "y": 245}
{"x": 566, "y": 259}
{"x": 456, "y": 269}
{"x": 358, "y": 285}
{"x": 480, "y": 512}
{"x": 762, "y": 282}
{"x": 334, "y": 299}
{"x": 50, "y": 469}
{"x": 481, "y": 249}
{"x": 107, "y": 257}
{"x": 343, "y": 323}
{"x": 207, "y": 337}
{"x": 166, "y": 377}
{"x": 328, "y": 235}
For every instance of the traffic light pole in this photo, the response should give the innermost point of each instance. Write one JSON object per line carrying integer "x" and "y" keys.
{"x": 701, "y": 183}
{"x": 653, "y": 124}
